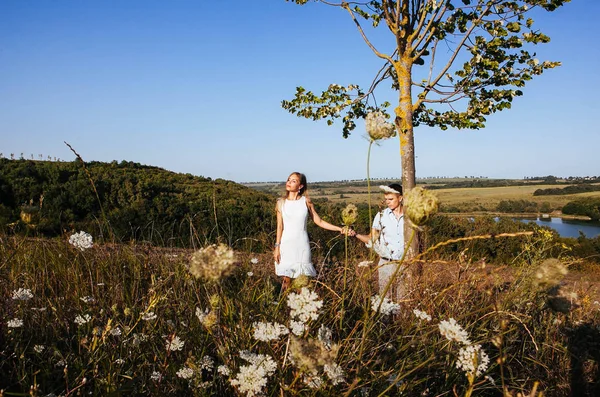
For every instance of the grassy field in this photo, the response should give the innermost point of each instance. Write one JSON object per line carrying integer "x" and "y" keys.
{"x": 144, "y": 321}
{"x": 470, "y": 199}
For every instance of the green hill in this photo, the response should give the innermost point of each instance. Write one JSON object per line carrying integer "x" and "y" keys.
{"x": 140, "y": 203}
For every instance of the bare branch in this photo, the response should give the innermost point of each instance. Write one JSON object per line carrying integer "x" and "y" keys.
{"x": 364, "y": 36}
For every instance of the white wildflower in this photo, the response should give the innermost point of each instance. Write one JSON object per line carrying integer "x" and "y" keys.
{"x": 80, "y": 320}
{"x": 269, "y": 331}
{"x": 207, "y": 318}
{"x": 39, "y": 348}
{"x": 207, "y": 363}
{"x": 365, "y": 263}
{"x": 422, "y": 315}
{"x": 454, "y": 332}
{"x": 253, "y": 378}
{"x": 81, "y": 241}
{"x": 305, "y": 305}
{"x": 472, "y": 360}
{"x": 224, "y": 370}
{"x": 138, "y": 339}
{"x": 324, "y": 335}
{"x": 119, "y": 361}
{"x": 14, "y": 323}
{"x": 313, "y": 380}
{"x": 250, "y": 274}
{"x": 149, "y": 316}
{"x": 378, "y": 127}
{"x": 201, "y": 314}
{"x": 254, "y": 261}
{"x": 115, "y": 331}
{"x": 174, "y": 344}
{"x": 22, "y": 294}
{"x": 212, "y": 262}
{"x": 297, "y": 327}
{"x": 156, "y": 376}
{"x": 387, "y": 305}
{"x": 185, "y": 373}
{"x": 87, "y": 299}
{"x": 335, "y": 373}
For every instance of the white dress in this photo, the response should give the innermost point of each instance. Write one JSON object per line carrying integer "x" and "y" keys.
{"x": 295, "y": 247}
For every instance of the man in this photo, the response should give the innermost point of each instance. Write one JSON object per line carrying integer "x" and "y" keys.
{"x": 387, "y": 239}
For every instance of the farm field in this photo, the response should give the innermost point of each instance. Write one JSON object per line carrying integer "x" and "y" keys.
{"x": 466, "y": 200}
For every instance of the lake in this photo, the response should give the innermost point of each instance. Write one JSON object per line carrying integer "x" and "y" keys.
{"x": 569, "y": 227}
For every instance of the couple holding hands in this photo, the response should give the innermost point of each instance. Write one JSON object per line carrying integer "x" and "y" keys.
{"x": 292, "y": 250}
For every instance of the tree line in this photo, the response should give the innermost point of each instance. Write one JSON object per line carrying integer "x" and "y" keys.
{"x": 128, "y": 201}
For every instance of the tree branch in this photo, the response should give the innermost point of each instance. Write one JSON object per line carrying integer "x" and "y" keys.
{"x": 451, "y": 61}
{"x": 364, "y": 36}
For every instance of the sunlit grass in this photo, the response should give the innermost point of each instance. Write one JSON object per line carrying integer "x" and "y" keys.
{"x": 132, "y": 320}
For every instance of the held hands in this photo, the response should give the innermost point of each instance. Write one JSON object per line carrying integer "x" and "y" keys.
{"x": 348, "y": 231}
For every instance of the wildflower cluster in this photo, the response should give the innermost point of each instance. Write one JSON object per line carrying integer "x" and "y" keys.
{"x": 185, "y": 373}
{"x": 207, "y": 363}
{"x": 421, "y": 315}
{"x": 472, "y": 360}
{"x": 349, "y": 214}
{"x": 212, "y": 262}
{"x": 324, "y": 335}
{"x": 81, "y": 240}
{"x": 378, "y": 127}
{"x": 174, "y": 343}
{"x": 82, "y": 319}
{"x": 14, "y": 323}
{"x": 305, "y": 305}
{"x": 384, "y": 305}
{"x": 420, "y": 205}
{"x": 149, "y": 316}
{"x": 207, "y": 317}
{"x": 269, "y": 331}
{"x": 22, "y": 294}
{"x": 253, "y": 378}
{"x": 224, "y": 370}
{"x": 452, "y": 331}
{"x": 310, "y": 354}
{"x": 550, "y": 273}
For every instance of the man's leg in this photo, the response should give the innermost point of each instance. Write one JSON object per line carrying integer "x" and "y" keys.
{"x": 385, "y": 272}
{"x": 398, "y": 290}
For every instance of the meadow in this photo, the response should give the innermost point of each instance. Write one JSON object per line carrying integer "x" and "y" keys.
{"x": 87, "y": 317}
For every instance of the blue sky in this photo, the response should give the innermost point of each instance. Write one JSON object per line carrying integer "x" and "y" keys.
{"x": 195, "y": 87}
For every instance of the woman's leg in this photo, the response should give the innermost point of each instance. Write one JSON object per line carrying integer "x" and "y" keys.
{"x": 285, "y": 284}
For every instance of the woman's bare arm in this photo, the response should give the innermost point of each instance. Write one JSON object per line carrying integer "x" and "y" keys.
{"x": 317, "y": 219}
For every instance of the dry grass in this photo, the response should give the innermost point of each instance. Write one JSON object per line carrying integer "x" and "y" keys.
{"x": 498, "y": 306}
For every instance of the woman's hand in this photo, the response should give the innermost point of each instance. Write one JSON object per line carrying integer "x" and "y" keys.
{"x": 277, "y": 255}
{"x": 348, "y": 231}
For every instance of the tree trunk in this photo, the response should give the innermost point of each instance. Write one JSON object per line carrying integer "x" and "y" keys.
{"x": 404, "y": 126}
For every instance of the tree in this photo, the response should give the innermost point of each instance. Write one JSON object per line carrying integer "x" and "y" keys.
{"x": 473, "y": 57}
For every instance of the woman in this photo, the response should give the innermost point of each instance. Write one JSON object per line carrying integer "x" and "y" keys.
{"x": 292, "y": 249}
